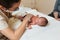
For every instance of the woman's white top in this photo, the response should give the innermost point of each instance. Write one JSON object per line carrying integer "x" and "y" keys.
{"x": 3, "y": 22}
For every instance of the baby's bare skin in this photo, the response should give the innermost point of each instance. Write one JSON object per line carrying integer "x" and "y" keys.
{"x": 36, "y": 20}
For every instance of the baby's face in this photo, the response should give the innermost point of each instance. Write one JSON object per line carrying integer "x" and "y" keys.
{"x": 40, "y": 21}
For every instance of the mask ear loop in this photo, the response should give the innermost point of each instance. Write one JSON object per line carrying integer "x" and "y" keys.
{"x": 37, "y": 15}
{"x": 8, "y": 11}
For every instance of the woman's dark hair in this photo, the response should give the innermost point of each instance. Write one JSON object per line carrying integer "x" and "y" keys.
{"x": 8, "y": 3}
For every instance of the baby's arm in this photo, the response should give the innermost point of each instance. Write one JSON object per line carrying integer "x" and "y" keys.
{"x": 21, "y": 18}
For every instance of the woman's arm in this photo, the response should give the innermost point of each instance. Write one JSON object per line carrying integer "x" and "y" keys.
{"x": 58, "y": 19}
{"x": 15, "y": 35}
{"x": 55, "y": 15}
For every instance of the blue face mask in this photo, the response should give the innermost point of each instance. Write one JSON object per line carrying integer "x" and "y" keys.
{"x": 16, "y": 9}
{"x": 8, "y": 11}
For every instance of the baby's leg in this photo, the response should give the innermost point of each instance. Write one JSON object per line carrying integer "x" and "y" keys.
{"x": 29, "y": 25}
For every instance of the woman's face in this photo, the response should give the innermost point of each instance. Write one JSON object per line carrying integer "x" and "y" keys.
{"x": 14, "y": 6}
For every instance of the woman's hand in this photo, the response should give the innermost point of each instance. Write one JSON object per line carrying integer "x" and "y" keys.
{"x": 58, "y": 19}
{"x": 28, "y": 17}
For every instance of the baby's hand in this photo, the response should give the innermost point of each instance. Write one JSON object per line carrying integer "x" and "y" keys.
{"x": 20, "y": 17}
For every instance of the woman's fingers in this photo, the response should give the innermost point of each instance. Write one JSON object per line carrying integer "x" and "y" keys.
{"x": 28, "y": 17}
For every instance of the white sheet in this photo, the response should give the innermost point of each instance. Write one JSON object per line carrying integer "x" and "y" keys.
{"x": 50, "y": 32}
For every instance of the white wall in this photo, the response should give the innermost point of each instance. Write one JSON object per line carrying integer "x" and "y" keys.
{"x": 28, "y": 3}
{"x": 45, "y": 6}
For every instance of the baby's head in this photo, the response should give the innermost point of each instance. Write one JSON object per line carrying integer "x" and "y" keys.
{"x": 42, "y": 21}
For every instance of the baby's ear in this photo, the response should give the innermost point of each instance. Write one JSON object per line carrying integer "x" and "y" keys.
{"x": 37, "y": 15}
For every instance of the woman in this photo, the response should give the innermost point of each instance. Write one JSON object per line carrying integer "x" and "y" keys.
{"x": 56, "y": 11}
{"x": 6, "y": 7}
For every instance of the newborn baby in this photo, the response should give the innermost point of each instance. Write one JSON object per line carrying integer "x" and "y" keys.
{"x": 36, "y": 20}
